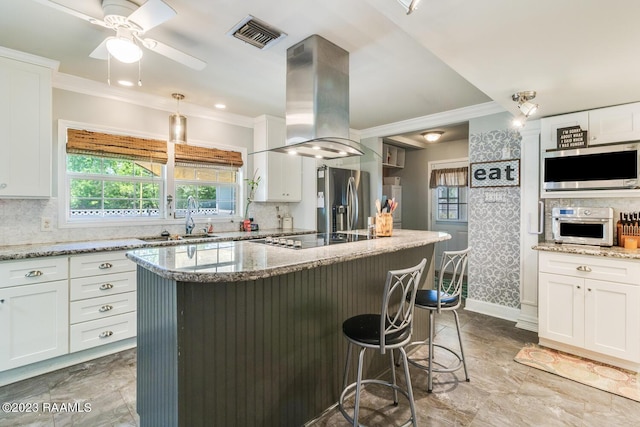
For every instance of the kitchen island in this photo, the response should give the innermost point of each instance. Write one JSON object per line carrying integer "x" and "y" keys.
{"x": 245, "y": 333}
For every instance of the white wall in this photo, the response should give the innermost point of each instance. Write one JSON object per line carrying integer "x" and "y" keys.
{"x": 20, "y": 219}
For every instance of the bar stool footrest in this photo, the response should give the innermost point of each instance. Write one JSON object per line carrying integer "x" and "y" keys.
{"x": 443, "y": 369}
{"x": 351, "y": 388}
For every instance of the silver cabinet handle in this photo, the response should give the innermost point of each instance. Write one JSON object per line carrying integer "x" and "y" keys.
{"x": 583, "y": 268}
{"x": 105, "y": 308}
{"x": 105, "y": 265}
{"x": 106, "y": 286}
{"x": 34, "y": 273}
{"x": 105, "y": 334}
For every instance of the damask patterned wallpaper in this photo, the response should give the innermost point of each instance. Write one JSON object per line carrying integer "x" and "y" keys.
{"x": 494, "y": 224}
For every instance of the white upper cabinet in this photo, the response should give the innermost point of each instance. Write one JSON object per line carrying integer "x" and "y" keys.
{"x": 608, "y": 125}
{"x": 614, "y": 124}
{"x": 25, "y": 129}
{"x": 281, "y": 174}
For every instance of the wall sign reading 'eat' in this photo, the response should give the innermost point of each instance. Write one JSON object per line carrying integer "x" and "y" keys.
{"x": 499, "y": 173}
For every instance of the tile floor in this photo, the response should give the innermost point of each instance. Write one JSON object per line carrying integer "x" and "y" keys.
{"x": 501, "y": 392}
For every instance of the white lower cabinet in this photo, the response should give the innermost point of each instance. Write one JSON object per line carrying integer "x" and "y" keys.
{"x": 591, "y": 303}
{"x": 103, "y": 299}
{"x": 33, "y": 323}
{"x": 53, "y": 306}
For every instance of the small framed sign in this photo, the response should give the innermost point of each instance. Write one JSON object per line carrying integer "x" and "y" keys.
{"x": 571, "y": 137}
{"x": 499, "y": 173}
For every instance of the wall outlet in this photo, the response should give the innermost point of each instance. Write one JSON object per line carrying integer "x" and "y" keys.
{"x": 46, "y": 223}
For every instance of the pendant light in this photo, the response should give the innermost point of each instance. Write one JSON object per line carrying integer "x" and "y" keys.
{"x": 177, "y": 123}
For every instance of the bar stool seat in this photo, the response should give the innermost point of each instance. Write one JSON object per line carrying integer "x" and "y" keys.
{"x": 389, "y": 330}
{"x": 446, "y": 297}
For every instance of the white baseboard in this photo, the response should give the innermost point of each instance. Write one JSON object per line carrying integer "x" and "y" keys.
{"x": 493, "y": 310}
{"x": 50, "y": 365}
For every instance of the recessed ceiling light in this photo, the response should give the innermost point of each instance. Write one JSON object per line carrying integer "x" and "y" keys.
{"x": 292, "y": 152}
{"x": 315, "y": 147}
{"x": 343, "y": 153}
{"x": 318, "y": 156}
{"x": 220, "y": 106}
{"x": 126, "y": 83}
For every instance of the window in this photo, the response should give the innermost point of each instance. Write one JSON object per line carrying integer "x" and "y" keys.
{"x": 450, "y": 195}
{"x": 119, "y": 178}
{"x": 213, "y": 187}
{"x": 113, "y": 188}
{"x": 451, "y": 203}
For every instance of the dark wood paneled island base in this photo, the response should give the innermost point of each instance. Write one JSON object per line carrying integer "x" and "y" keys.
{"x": 267, "y": 351}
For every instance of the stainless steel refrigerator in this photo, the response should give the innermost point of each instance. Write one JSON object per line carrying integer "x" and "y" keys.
{"x": 343, "y": 199}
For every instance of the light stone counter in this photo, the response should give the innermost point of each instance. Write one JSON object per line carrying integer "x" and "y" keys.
{"x": 71, "y": 248}
{"x": 246, "y": 333}
{"x": 612, "y": 252}
{"x": 242, "y": 261}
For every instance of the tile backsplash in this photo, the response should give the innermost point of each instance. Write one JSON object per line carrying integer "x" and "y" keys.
{"x": 20, "y": 223}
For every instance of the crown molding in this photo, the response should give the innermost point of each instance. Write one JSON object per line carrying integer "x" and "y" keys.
{"x": 27, "y": 57}
{"x": 72, "y": 83}
{"x": 434, "y": 120}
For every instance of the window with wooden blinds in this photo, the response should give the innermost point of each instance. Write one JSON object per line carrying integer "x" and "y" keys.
{"x": 206, "y": 156}
{"x": 116, "y": 146}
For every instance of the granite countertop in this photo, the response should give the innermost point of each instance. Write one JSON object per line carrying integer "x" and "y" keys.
{"x": 14, "y": 252}
{"x": 612, "y": 252}
{"x": 245, "y": 260}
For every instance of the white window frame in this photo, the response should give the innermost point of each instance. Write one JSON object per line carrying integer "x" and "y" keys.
{"x": 167, "y": 187}
{"x": 432, "y": 205}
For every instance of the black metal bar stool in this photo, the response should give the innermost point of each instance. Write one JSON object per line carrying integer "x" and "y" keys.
{"x": 389, "y": 330}
{"x": 447, "y": 296}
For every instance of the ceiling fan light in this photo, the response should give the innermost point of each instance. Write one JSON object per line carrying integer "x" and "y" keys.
{"x": 432, "y": 136}
{"x": 124, "y": 49}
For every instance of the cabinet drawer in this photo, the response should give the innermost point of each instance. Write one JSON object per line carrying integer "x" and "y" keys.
{"x": 99, "y": 286}
{"x": 98, "y": 308}
{"x": 591, "y": 267}
{"x": 33, "y": 270}
{"x": 101, "y": 263}
{"x": 102, "y": 331}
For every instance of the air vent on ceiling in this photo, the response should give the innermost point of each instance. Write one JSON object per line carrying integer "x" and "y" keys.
{"x": 256, "y": 33}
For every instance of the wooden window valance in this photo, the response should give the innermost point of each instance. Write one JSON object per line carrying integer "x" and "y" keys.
{"x": 191, "y": 154}
{"x": 116, "y": 146}
{"x": 452, "y": 177}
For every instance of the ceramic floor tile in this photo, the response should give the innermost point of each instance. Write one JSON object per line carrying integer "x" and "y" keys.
{"x": 501, "y": 392}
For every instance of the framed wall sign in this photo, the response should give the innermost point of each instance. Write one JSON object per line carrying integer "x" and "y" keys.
{"x": 498, "y": 173}
{"x": 571, "y": 137}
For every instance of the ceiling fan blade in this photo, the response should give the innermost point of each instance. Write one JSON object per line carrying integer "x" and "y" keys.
{"x": 72, "y": 12}
{"x": 101, "y": 51}
{"x": 151, "y": 14}
{"x": 174, "y": 54}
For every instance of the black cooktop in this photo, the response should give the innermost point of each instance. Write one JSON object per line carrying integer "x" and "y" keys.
{"x": 304, "y": 241}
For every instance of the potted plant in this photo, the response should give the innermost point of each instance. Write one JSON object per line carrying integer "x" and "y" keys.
{"x": 252, "y": 186}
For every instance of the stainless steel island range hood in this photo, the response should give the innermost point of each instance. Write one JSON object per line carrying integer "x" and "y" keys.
{"x": 317, "y": 109}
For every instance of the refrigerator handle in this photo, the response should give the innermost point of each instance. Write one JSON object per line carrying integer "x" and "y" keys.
{"x": 540, "y": 229}
{"x": 352, "y": 202}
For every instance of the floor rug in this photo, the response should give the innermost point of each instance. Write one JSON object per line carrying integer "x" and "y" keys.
{"x": 595, "y": 374}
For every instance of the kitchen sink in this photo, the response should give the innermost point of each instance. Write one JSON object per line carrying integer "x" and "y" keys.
{"x": 178, "y": 237}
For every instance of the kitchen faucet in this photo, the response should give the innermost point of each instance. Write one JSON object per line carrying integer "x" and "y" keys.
{"x": 191, "y": 207}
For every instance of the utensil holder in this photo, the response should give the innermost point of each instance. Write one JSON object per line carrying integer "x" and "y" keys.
{"x": 384, "y": 225}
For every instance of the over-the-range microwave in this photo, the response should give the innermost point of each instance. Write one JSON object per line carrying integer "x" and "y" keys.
{"x": 593, "y": 168}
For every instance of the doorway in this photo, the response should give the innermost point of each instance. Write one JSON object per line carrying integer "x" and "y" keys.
{"x": 447, "y": 209}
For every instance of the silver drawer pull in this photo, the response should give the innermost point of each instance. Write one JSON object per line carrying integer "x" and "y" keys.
{"x": 105, "y": 334}
{"x": 106, "y": 286}
{"x": 105, "y": 265}
{"x": 105, "y": 308}
{"x": 34, "y": 273}
{"x": 583, "y": 268}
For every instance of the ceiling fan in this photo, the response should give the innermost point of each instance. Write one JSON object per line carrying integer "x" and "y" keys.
{"x": 130, "y": 22}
